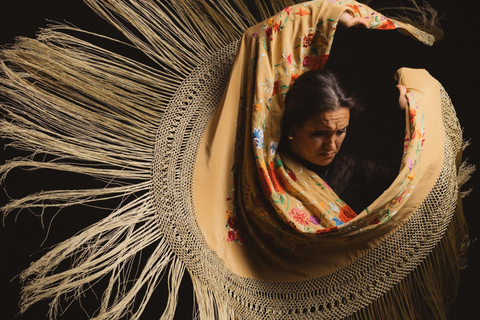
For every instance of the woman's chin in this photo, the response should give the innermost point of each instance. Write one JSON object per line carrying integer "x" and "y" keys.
{"x": 324, "y": 160}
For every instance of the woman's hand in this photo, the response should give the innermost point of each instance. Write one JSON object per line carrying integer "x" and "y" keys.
{"x": 402, "y": 98}
{"x": 347, "y": 20}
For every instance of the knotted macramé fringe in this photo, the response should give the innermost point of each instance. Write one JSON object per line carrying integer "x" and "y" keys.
{"x": 96, "y": 112}
{"x": 429, "y": 290}
{"x": 465, "y": 172}
{"x": 426, "y": 293}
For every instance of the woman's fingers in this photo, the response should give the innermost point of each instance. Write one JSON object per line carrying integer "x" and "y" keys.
{"x": 402, "y": 98}
{"x": 347, "y": 20}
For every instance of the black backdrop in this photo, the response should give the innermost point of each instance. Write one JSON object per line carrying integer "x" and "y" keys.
{"x": 359, "y": 55}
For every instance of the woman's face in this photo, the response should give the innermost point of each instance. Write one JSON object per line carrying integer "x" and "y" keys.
{"x": 320, "y": 138}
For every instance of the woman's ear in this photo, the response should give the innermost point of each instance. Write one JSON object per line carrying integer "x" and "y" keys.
{"x": 291, "y": 133}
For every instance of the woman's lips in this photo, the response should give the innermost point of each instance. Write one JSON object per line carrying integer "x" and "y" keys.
{"x": 328, "y": 155}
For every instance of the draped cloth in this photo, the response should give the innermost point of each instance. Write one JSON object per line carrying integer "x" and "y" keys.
{"x": 282, "y": 221}
{"x": 262, "y": 236}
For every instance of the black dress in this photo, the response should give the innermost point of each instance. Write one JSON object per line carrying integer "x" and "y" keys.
{"x": 356, "y": 179}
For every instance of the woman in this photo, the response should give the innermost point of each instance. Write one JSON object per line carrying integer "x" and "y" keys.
{"x": 317, "y": 114}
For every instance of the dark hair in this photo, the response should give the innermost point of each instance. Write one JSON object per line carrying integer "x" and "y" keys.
{"x": 314, "y": 92}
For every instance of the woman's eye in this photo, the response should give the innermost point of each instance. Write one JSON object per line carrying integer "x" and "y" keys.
{"x": 340, "y": 132}
{"x": 319, "y": 133}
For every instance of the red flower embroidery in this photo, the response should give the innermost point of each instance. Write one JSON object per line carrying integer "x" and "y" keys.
{"x": 288, "y": 9}
{"x": 319, "y": 62}
{"x": 301, "y": 12}
{"x": 289, "y": 59}
{"x": 346, "y": 214}
{"x": 231, "y": 236}
{"x": 307, "y": 61}
{"x": 276, "y": 85}
{"x": 268, "y": 32}
{"x": 294, "y": 77}
{"x": 308, "y": 40}
{"x": 387, "y": 25}
{"x": 240, "y": 237}
{"x": 264, "y": 182}
{"x": 232, "y": 222}
{"x": 273, "y": 177}
{"x": 413, "y": 114}
{"x": 299, "y": 216}
{"x": 292, "y": 175}
{"x": 276, "y": 26}
{"x": 327, "y": 230}
{"x": 354, "y": 7}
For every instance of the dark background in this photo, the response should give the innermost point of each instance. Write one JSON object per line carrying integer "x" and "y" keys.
{"x": 361, "y": 56}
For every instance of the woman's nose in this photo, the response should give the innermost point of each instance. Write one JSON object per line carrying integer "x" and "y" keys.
{"x": 329, "y": 143}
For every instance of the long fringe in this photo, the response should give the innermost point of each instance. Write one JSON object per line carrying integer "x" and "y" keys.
{"x": 209, "y": 304}
{"x": 178, "y": 35}
{"x": 92, "y": 111}
{"x": 464, "y": 174}
{"x": 427, "y": 292}
{"x": 423, "y": 17}
{"x": 105, "y": 248}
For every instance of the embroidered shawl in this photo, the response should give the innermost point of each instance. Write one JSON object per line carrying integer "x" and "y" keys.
{"x": 195, "y": 142}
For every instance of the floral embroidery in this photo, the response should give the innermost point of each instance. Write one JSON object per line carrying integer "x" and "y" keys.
{"x": 347, "y": 214}
{"x": 271, "y": 21}
{"x": 319, "y": 62}
{"x": 327, "y": 230}
{"x": 276, "y": 26}
{"x": 268, "y": 32}
{"x": 387, "y": 25}
{"x": 315, "y": 220}
{"x": 294, "y": 77}
{"x": 292, "y": 175}
{"x": 258, "y": 138}
{"x": 307, "y": 61}
{"x": 234, "y": 233}
{"x": 264, "y": 182}
{"x": 410, "y": 163}
{"x": 301, "y": 12}
{"x": 273, "y": 147}
{"x": 354, "y": 7}
{"x": 337, "y": 221}
{"x": 289, "y": 59}
{"x": 276, "y": 85}
{"x": 270, "y": 187}
{"x": 231, "y": 236}
{"x": 333, "y": 207}
{"x": 308, "y": 40}
{"x": 413, "y": 113}
{"x": 299, "y": 216}
{"x": 232, "y": 221}
{"x": 273, "y": 177}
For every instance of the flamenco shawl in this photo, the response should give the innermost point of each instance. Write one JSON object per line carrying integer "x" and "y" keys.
{"x": 195, "y": 141}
